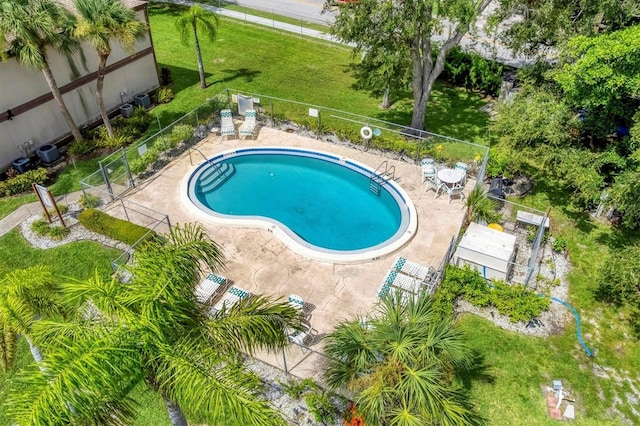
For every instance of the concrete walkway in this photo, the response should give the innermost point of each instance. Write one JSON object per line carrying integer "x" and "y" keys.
{"x": 25, "y": 211}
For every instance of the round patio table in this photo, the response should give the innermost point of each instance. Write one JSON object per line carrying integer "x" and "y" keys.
{"x": 450, "y": 176}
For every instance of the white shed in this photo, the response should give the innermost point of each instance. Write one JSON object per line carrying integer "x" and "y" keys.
{"x": 487, "y": 250}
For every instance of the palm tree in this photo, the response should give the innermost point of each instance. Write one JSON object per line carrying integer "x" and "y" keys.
{"x": 26, "y": 295}
{"x": 401, "y": 364}
{"x": 153, "y": 329}
{"x": 31, "y": 26}
{"x": 194, "y": 19}
{"x": 481, "y": 207}
{"x": 100, "y": 21}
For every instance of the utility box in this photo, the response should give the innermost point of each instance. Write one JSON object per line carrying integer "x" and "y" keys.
{"x": 489, "y": 251}
{"x": 48, "y": 153}
{"x": 142, "y": 99}
{"x": 22, "y": 164}
{"x": 126, "y": 110}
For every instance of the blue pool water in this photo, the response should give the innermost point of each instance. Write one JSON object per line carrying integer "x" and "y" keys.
{"x": 324, "y": 203}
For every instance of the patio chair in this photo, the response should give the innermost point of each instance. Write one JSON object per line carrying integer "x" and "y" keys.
{"x": 434, "y": 184}
{"x": 230, "y": 298}
{"x": 455, "y": 190}
{"x": 245, "y": 103}
{"x": 413, "y": 269}
{"x": 296, "y": 302}
{"x": 428, "y": 168}
{"x": 464, "y": 167}
{"x": 404, "y": 282}
{"x": 227, "y": 128}
{"x": 211, "y": 285}
{"x": 304, "y": 337}
{"x": 248, "y": 127}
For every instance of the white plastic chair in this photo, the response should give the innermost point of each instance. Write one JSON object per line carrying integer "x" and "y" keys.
{"x": 464, "y": 167}
{"x": 434, "y": 184}
{"x": 455, "y": 190}
{"x": 227, "y": 127}
{"x": 247, "y": 128}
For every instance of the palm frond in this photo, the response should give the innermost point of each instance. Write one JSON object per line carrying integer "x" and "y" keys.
{"x": 257, "y": 322}
{"x": 222, "y": 392}
{"x": 87, "y": 381}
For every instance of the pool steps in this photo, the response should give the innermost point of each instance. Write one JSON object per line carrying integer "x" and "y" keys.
{"x": 215, "y": 176}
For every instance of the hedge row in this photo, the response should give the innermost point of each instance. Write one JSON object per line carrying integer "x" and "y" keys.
{"x": 118, "y": 229}
{"x": 22, "y": 182}
{"x": 516, "y": 301}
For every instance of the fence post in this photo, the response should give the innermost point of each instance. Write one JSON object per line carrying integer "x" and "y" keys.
{"x": 125, "y": 210}
{"x": 319, "y": 124}
{"x": 132, "y": 184}
{"x": 284, "y": 360}
{"x": 105, "y": 177}
{"x": 273, "y": 121}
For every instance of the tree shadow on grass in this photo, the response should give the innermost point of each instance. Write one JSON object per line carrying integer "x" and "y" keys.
{"x": 183, "y": 78}
{"x": 245, "y": 74}
{"x": 478, "y": 371}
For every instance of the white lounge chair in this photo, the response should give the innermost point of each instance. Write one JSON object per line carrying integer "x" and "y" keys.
{"x": 413, "y": 269}
{"x": 211, "y": 285}
{"x": 248, "y": 127}
{"x": 227, "y": 128}
{"x": 296, "y": 301}
{"x": 395, "y": 279}
{"x": 230, "y": 298}
{"x": 245, "y": 103}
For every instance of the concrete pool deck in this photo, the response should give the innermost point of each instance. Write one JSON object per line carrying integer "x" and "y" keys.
{"x": 260, "y": 263}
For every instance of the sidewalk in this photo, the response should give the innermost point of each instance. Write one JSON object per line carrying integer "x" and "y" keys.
{"x": 25, "y": 211}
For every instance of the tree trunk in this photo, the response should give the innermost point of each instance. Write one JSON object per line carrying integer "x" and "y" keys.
{"x": 425, "y": 71}
{"x": 102, "y": 67}
{"x": 55, "y": 91}
{"x": 203, "y": 83}
{"x": 386, "y": 99}
{"x": 35, "y": 352}
{"x": 176, "y": 417}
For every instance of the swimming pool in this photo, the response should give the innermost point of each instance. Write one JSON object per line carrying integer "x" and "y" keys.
{"x": 320, "y": 205}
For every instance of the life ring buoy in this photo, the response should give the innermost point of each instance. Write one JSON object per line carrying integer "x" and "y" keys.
{"x": 366, "y": 132}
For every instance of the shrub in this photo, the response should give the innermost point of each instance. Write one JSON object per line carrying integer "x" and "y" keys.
{"x": 43, "y": 228}
{"x": 515, "y": 301}
{"x": 78, "y": 148}
{"x": 618, "y": 278}
{"x": 40, "y": 227}
{"x": 182, "y": 132}
{"x": 141, "y": 163}
{"x": 559, "y": 245}
{"x": 23, "y": 182}
{"x": 320, "y": 407}
{"x": 164, "y": 95}
{"x": 473, "y": 71}
{"x": 88, "y": 201}
{"x": 112, "y": 227}
{"x": 58, "y": 232}
{"x": 140, "y": 119}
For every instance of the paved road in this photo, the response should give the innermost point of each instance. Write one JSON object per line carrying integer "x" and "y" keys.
{"x": 306, "y": 10}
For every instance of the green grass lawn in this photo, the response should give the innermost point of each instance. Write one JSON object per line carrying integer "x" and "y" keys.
{"x": 278, "y": 64}
{"x": 76, "y": 260}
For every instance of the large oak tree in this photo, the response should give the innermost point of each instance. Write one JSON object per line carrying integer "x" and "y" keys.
{"x": 417, "y": 26}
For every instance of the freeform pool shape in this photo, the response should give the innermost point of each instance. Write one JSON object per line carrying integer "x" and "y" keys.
{"x": 320, "y": 205}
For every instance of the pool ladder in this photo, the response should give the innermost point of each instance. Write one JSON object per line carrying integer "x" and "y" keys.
{"x": 381, "y": 177}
